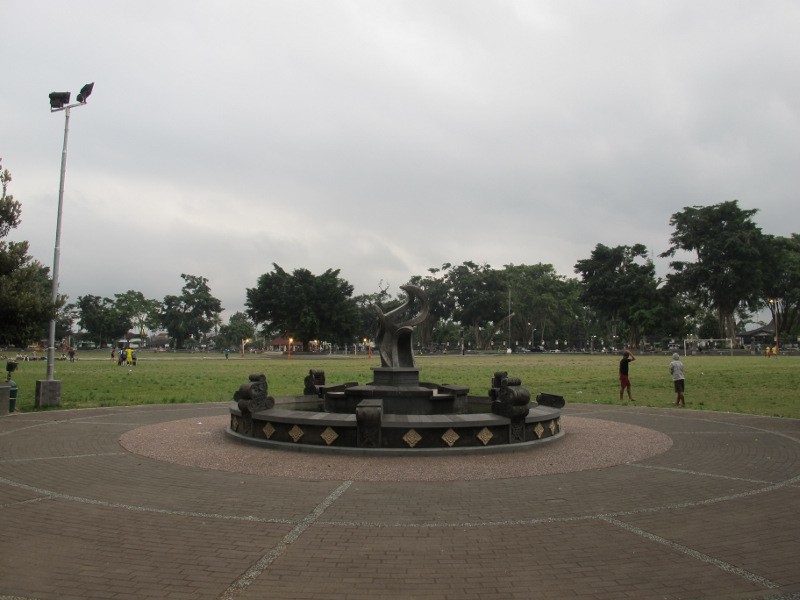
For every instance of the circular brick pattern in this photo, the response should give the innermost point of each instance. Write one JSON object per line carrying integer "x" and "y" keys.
{"x": 587, "y": 444}
{"x": 713, "y": 515}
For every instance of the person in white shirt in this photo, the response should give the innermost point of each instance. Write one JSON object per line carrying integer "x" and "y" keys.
{"x": 678, "y": 378}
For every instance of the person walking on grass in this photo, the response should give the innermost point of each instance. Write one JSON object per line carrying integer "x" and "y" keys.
{"x": 624, "y": 381}
{"x": 678, "y": 378}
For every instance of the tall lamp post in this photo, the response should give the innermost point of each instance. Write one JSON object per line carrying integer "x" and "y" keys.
{"x": 775, "y": 306}
{"x": 48, "y": 391}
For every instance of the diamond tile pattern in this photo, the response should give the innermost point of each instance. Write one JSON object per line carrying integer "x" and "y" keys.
{"x": 485, "y": 436}
{"x": 450, "y": 437}
{"x": 296, "y": 433}
{"x": 412, "y": 438}
{"x": 329, "y": 435}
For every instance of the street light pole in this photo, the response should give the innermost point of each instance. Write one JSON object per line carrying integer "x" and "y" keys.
{"x": 509, "y": 319}
{"x": 48, "y": 392}
{"x": 51, "y": 346}
{"x": 775, "y": 305}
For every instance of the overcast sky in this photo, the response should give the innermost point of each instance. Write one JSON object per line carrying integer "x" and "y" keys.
{"x": 384, "y": 137}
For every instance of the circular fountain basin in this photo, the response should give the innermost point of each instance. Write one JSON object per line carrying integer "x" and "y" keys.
{"x": 295, "y": 424}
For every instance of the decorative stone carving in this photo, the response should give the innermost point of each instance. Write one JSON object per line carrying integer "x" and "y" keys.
{"x": 485, "y": 436}
{"x": 509, "y": 398}
{"x": 296, "y": 433}
{"x": 516, "y": 432}
{"x": 394, "y": 336}
{"x": 313, "y": 381}
{"x": 329, "y": 435}
{"x": 450, "y": 437}
{"x": 369, "y": 416}
{"x": 412, "y": 438}
{"x": 252, "y": 396}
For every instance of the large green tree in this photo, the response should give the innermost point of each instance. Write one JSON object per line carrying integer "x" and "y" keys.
{"x": 144, "y": 313}
{"x": 781, "y": 284}
{"x": 545, "y": 304}
{"x": 25, "y": 287}
{"x": 240, "y": 327}
{"x": 65, "y": 320}
{"x": 366, "y": 315}
{"x": 437, "y": 286}
{"x": 304, "y": 306}
{"x": 481, "y": 300}
{"x": 101, "y": 319}
{"x": 189, "y": 317}
{"x": 730, "y": 253}
{"x": 620, "y": 285}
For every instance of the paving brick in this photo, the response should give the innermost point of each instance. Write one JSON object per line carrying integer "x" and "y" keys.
{"x": 713, "y": 517}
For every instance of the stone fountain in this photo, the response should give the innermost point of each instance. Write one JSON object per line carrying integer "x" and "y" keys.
{"x": 395, "y": 413}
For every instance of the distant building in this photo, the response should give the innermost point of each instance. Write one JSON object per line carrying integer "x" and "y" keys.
{"x": 281, "y": 344}
{"x": 763, "y": 335}
{"x": 159, "y": 340}
{"x": 134, "y": 342}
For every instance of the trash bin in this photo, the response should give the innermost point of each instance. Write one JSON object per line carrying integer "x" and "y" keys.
{"x": 12, "y": 396}
{"x": 11, "y": 366}
{"x": 4, "y": 396}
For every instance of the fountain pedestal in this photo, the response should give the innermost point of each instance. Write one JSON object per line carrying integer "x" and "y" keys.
{"x": 401, "y": 392}
{"x": 395, "y": 376}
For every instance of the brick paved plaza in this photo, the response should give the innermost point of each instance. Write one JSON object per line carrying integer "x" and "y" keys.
{"x": 715, "y": 515}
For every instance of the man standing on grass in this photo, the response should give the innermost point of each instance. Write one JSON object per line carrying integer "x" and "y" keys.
{"x": 678, "y": 379}
{"x": 624, "y": 382}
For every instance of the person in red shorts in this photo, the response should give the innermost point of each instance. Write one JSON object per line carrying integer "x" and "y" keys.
{"x": 624, "y": 382}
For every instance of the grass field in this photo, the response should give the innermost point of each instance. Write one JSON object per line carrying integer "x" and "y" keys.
{"x": 746, "y": 384}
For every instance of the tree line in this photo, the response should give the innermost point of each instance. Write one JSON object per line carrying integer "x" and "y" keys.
{"x": 615, "y": 298}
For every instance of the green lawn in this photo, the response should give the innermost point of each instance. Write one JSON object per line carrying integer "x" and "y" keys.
{"x": 746, "y": 384}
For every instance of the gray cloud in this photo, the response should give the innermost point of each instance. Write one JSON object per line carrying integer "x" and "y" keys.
{"x": 384, "y": 138}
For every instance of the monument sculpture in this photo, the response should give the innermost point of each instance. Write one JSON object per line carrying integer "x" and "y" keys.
{"x": 395, "y": 412}
{"x": 394, "y": 339}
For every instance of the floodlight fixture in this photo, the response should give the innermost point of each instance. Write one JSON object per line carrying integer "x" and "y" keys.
{"x": 58, "y": 100}
{"x": 48, "y": 391}
{"x": 85, "y": 92}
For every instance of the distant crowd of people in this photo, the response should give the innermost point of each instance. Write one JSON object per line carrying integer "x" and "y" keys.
{"x": 71, "y": 356}
{"x": 27, "y": 357}
{"x": 125, "y": 357}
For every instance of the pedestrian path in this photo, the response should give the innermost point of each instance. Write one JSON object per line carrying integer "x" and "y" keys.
{"x": 713, "y": 514}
